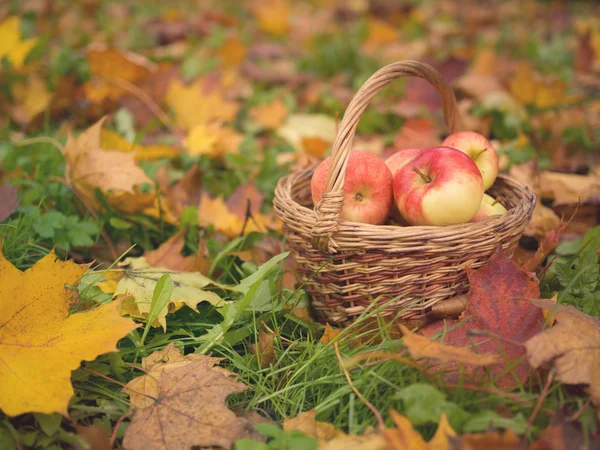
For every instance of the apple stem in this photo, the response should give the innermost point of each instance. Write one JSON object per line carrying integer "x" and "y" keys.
{"x": 497, "y": 200}
{"x": 427, "y": 178}
{"x": 480, "y": 153}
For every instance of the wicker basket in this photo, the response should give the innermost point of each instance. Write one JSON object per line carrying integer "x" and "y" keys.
{"x": 347, "y": 266}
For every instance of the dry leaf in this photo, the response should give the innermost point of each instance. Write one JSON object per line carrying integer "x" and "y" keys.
{"x": 423, "y": 347}
{"x": 144, "y": 389}
{"x": 168, "y": 254}
{"x": 379, "y": 33}
{"x": 265, "y": 348}
{"x": 403, "y": 436}
{"x": 194, "y": 104}
{"x": 95, "y": 436}
{"x": 12, "y": 46}
{"x": 232, "y": 52}
{"x": 8, "y": 201}
{"x": 89, "y": 167}
{"x": 246, "y": 196}
{"x": 531, "y": 89}
{"x": 330, "y": 334}
{"x": 298, "y": 128}
{"x": 189, "y": 410}
{"x": 183, "y": 194}
{"x": 31, "y": 98}
{"x": 111, "y": 69}
{"x": 273, "y": 16}
{"x": 506, "y": 440}
{"x": 568, "y": 189}
{"x": 571, "y": 346}
{"x": 566, "y": 435}
{"x": 307, "y": 423}
{"x": 40, "y": 342}
{"x": 139, "y": 281}
{"x": 270, "y": 115}
{"x": 212, "y": 139}
{"x": 417, "y": 133}
{"x": 110, "y": 140}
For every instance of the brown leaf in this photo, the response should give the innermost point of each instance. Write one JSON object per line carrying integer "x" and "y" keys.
{"x": 270, "y": 115}
{"x": 96, "y": 437}
{"x": 545, "y": 248}
{"x": 189, "y": 410}
{"x": 571, "y": 346}
{"x": 423, "y": 347}
{"x": 330, "y": 334}
{"x": 245, "y": 195}
{"x": 168, "y": 254}
{"x": 183, "y": 194}
{"x": 307, "y": 423}
{"x": 416, "y": 133}
{"x": 8, "y": 201}
{"x": 565, "y": 436}
{"x": 264, "y": 250}
{"x": 265, "y": 348}
{"x": 506, "y": 440}
{"x": 566, "y": 188}
{"x": 493, "y": 308}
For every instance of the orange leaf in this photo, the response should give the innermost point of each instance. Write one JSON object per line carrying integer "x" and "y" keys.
{"x": 270, "y": 115}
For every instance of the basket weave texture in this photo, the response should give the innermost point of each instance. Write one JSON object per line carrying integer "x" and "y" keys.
{"x": 348, "y": 266}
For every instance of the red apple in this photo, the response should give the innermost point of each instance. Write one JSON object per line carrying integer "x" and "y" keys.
{"x": 367, "y": 188}
{"x": 480, "y": 150}
{"x": 441, "y": 186}
{"x": 489, "y": 207}
{"x": 400, "y": 158}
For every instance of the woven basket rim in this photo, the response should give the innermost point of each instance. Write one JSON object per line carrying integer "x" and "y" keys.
{"x": 284, "y": 200}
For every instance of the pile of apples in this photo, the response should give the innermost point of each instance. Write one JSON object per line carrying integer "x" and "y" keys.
{"x": 442, "y": 185}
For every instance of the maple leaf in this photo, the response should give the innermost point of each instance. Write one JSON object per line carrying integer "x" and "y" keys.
{"x": 273, "y": 16}
{"x": 40, "y": 342}
{"x": 493, "y": 306}
{"x": 187, "y": 409}
{"x": 330, "y": 334}
{"x": 422, "y": 347}
{"x": 270, "y": 115}
{"x": 572, "y": 346}
{"x": 531, "y": 89}
{"x": 232, "y": 52}
{"x": 212, "y": 139}
{"x": 113, "y": 70}
{"x": 168, "y": 255}
{"x": 31, "y": 97}
{"x": 183, "y": 194}
{"x": 313, "y": 129}
{"x": 194, "y": 105}
{"x": 12, "y": 47}
{"x": 139, "y": 282}
{"x": 90, "y": 168}
{"x": 114, "y": 141}
{"x": 264, "y": 348}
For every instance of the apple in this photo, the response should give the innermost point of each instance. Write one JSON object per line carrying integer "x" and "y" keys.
{"x": 440, "y": 186}
{"x": 400, "y": 158}
{"x": 367, "y": 188}
{"x": 489, "y": 207}
{"x": 480, "y": 150}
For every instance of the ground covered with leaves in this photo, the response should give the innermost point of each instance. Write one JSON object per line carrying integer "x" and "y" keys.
{"x": 147, "y": 300}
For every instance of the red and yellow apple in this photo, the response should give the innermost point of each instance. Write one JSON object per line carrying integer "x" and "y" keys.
{"x": 400, "y": 158}
{"x": 367, "y": 188}
{"x": 489, "y": 207}
{"x": 479, "y": 149}
{"x": 440, "y": 186}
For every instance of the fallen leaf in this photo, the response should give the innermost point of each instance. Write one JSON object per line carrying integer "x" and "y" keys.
{"x": 265, "y": 348}
{"x": 531, "y": 89}
{"x": 504, "y": 440}
{"x": 96, "y": 436}
{"x": 423, "y": 347}
{"x": 330, "y": 334}
{"x": 566, "y": 435}
{"x": 403, "y": 436}
{"x": 245, "y": 197}
{"x": 270, "y": 115}
{"x": 31, "y": 98}
{"x": 112, "y": 71}
{"x": 443, "y": 435}
{"x": 138, "y": 285}
{"x": 571, "y": 346}
{"x": 307, "y": 423}
{"x": 273, "y": 16}
{"x": 417, "y": 133}
{"x": 232, "y": 52}
{"x": 567, "y": 188}
{"x": 189, "y": 410}
{"x": 168, "y": 255}
{"x": 90, "y": 168}
{"x": 12, "y": 46}
{"x": 40, "y": 342}
{"x": 110, "y": 140}
{"x": 195, "y": 104}
{"x": 546, "y": 246}
{"x": 183, "y": 194}
{"x": 494, "y": 307}
{"x": 144, "y": 389}
{"x": 379, "y": 33}
{"x": 8, "y": 201}
{"x": 299, "y": 127}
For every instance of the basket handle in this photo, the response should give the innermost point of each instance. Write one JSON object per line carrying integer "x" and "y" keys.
{"x": 329, "y": 207}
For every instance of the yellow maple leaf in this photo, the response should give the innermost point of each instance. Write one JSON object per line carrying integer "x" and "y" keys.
{"x": 212, "y": 139}
{"x": 270, "y": 115}
{"x": 193, "y": 105}
{"x": 139, "y": 281}
{"x": 31, "y": 97}
{"x": 90, "y": 168}
{"x": 531, "y": 89}
{"x": 232, "y": 52}
{"x": 112, "y": 70}
{"x": 110, "y": 140}
{"x": 380, "y": 32}
{"x": 40, "y": 342}
{"x": 273, "y": 16}
{"x": 11, "y": 46}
